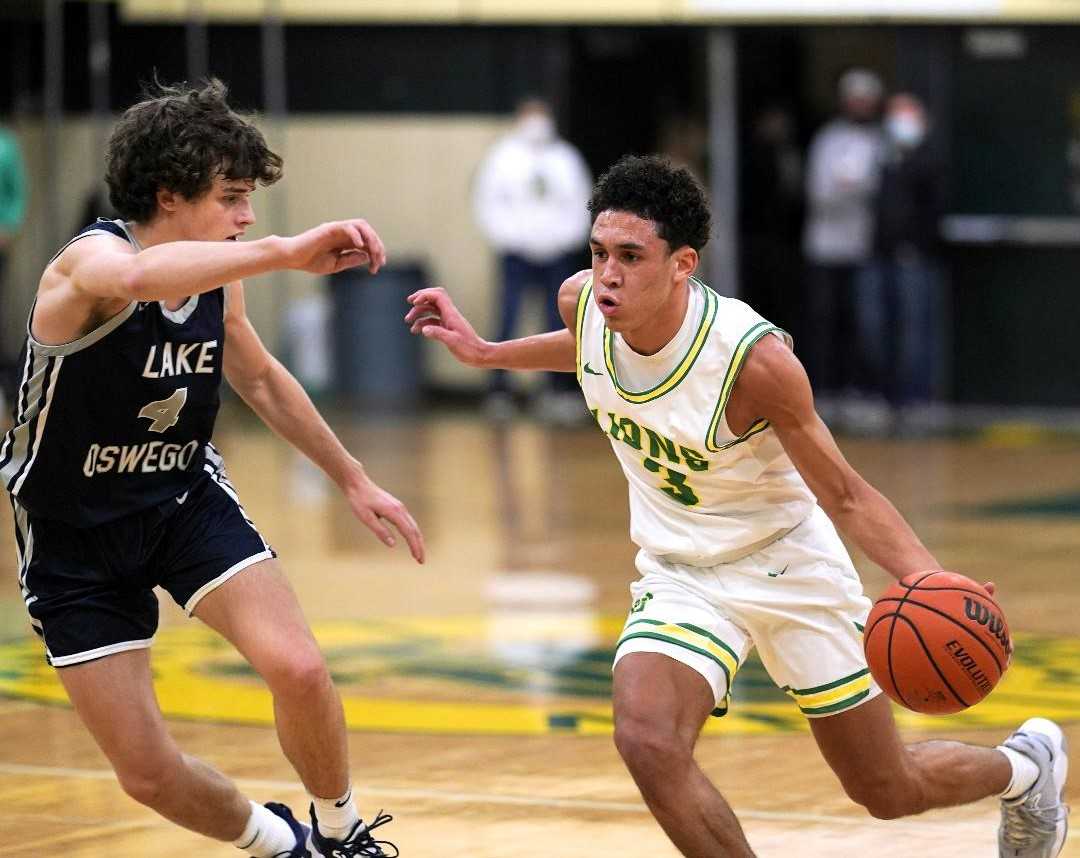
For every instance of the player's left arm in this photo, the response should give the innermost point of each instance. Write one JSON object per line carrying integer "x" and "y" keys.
{"x": 774, "y": 385}
{"x": 282, "y": 404}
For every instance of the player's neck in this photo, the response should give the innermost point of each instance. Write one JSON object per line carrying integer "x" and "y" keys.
{"x": 660, "y": 329}
{"x": 157, "y": 231}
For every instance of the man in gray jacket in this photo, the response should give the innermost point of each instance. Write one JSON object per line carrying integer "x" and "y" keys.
{"x": 843, "y": 169}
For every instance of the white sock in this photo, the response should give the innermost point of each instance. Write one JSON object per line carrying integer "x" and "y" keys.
{"x": 1024, "y": 773}
{"x": 336, "y": 816}
{"x": 267, "y": 835}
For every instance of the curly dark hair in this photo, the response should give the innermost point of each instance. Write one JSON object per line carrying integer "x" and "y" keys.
{"x": 179, "y": 138}
{"x": 650, "y": 187}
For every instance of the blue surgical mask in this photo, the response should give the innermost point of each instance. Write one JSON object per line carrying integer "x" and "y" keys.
{"x": 905, "y": 130}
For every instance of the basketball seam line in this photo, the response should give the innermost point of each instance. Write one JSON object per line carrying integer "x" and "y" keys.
{"x": 981, "y": 593}
{"x": 956, "y": 622}
{"x": 888, "y": 649}
{"x": 930, "y": 658}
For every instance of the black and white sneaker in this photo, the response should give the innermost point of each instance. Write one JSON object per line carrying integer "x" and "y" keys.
{"x": 358, "y": 844}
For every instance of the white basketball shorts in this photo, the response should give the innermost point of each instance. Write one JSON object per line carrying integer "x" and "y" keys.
{"x": 799, "y": 601}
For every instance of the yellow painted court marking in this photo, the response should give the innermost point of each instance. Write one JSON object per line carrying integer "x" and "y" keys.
{"x": 434, "y": 676}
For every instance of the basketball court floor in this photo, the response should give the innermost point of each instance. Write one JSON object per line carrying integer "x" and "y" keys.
{"x": 477, "y": 686}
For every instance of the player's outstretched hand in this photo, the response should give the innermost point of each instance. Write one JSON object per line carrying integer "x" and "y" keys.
{"x": 377, "y": 508}
{"x": 434, "y": 316}
{"x": 333, "y": 247}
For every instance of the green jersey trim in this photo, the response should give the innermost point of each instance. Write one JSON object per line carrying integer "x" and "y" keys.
{"x": 738, "y": 360}
{"x": 708, "y": 316}
{"x": 582, "y": 306}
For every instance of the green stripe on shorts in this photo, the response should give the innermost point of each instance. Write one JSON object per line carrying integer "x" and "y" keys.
{"x": 836, "y": 707}
{"x": 819, "y": 688}
{"x": 690, "y": 627}
{"x": 659, "y": 637}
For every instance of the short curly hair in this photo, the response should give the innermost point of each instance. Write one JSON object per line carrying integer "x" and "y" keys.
{"x": 179, "y": 138}
{"x": 652, "y": 188}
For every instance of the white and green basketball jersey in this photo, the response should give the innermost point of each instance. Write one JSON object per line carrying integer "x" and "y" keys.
{"x": 699, "y": 494}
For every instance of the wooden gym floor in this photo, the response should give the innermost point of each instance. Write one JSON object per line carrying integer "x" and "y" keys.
{"x": 477, "y": 686}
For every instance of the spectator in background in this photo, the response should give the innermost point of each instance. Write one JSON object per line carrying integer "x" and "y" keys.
{"x": 899, "y": 289}
{"x": 530, "y": 201}
{"x": 684, "y": 140}
{"x": 12, "y": 212}
{"x": 841, "y": 185}
{"x": 771, "y": 216}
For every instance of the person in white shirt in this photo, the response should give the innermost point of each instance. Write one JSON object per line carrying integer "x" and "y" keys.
{"x": 530, "y": 197}
{"x": 842, "y": 176}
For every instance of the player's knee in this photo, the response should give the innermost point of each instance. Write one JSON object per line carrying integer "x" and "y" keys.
{"x": 147, "y": 779}
{"x": 301, "y": 672}
{"x": 649, "y": 744}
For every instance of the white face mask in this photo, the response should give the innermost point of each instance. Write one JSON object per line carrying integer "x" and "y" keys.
{"x": 536, "y": 128}
{"x": 905, "y": 130}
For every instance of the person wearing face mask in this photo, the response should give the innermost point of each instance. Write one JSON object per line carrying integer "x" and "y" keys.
{"x": 899, "y": 288}
{"x": 530, "y": 200}
{"x": 841, "y": 183}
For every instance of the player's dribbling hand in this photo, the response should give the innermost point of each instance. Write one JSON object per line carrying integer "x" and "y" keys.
{"x": 375, "y": 507}
{"x": 434, "y": 316}
{"x": 337, "y": 246}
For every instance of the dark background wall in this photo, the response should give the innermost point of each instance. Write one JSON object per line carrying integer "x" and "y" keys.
{"x": 1004, "y": 126}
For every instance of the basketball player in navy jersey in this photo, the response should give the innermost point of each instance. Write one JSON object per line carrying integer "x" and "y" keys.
{"x": 117, "y": 488}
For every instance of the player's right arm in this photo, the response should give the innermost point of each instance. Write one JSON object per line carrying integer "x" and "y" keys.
{"x": 96, "y": 277}
{"x": 435, "y": 316}
{"x": 773, "y": 385}
{"x": 106, "y": 267}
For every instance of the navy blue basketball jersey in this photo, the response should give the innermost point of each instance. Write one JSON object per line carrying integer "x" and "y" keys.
{"x": 117, "y": 421}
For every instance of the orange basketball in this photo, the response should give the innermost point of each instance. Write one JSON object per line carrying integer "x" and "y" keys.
{"x": 937, "y": 642}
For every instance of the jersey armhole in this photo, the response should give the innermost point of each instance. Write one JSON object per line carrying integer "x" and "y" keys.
{"x": 579, "y": 322}
{"x": 89, "y": 232}
{"x": 738, "y": 361}
{"x": 101, "y": 227}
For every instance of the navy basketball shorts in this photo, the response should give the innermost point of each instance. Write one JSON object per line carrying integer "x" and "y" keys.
{"x": 89, "y": 592}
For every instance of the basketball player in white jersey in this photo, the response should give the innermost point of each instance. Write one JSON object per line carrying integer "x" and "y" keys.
{"x": 735, "y": 487}
{"x": 117, "y": 488}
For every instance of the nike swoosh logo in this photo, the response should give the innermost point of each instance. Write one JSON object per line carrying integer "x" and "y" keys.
{"x": 344, "y": 801}
{"x": 778, "y": 574}
{"x": 181, "y": 498}
{"x": 590, "y": 370}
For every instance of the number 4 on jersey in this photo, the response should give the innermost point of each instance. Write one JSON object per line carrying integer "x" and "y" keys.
{"x": 164, "y": 413}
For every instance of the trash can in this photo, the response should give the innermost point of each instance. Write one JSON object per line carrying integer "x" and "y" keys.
{"x": 376, "y": 361}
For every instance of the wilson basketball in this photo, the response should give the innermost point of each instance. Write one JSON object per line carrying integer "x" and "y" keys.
{"x": 937, "y": 642}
